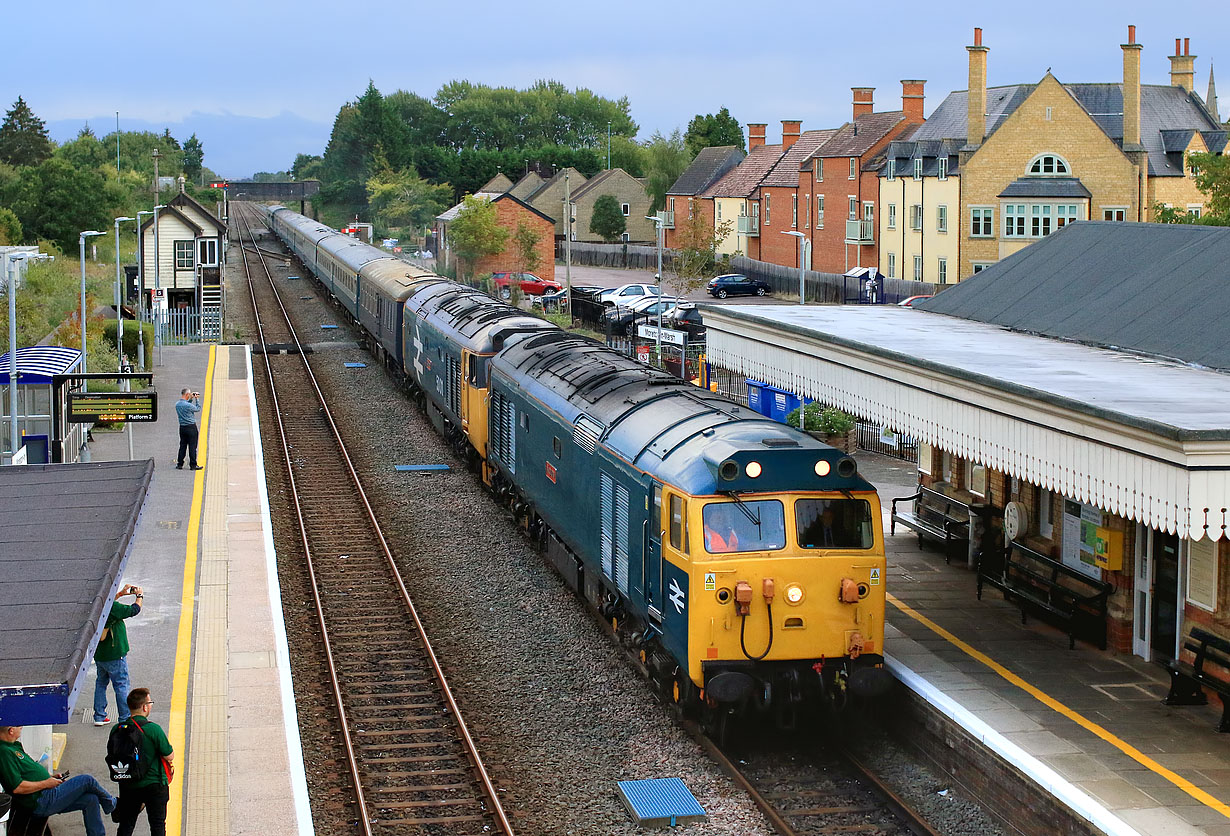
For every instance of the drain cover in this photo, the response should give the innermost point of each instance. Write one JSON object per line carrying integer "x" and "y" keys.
{"x": 660, "y": 802}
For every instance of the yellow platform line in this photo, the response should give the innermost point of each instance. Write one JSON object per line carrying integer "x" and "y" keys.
{"x": 1055, "y": 705}
{"x": 183, "y": 643}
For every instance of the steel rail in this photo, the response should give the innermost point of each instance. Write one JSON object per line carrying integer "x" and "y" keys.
{"x": 496, "y": 808}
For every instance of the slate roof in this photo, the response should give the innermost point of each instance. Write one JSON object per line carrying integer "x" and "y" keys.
{"x": 1163, "y": 108}
{"x": 854, "y": 138}
{"x": 1156, "y": 289}
{"x": 597, "y": 180}
{"x": 451, "y": 213}
{"x": 1046, "y": 187}
{"x": 905, "y": 150}
{"x": 744, "y": 179}
{"x": 527, "y": 185}
{"x": 786, "y": 172}
{"x": 709, "y": 165}
{"x": 65, "y": 531}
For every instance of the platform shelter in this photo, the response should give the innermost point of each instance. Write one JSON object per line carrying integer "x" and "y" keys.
{"x": 37, "y": 419}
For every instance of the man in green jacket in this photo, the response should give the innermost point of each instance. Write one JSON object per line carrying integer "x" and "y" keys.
{"x": 44, "y": 794}
{"x": 153, "y": 788}
{"x": 109, "y": 657}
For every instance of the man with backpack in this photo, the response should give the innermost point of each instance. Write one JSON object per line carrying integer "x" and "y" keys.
{"x": 140, "y": 759}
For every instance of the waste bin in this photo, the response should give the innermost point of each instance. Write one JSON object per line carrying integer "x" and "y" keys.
{"x": 6, "y": 803}
{"x": 758, "y": 396}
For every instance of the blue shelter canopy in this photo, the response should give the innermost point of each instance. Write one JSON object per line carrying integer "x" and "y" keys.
{"x": 39, "y": 363}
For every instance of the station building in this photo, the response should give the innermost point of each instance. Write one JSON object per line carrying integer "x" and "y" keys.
{"x": 1081, "y": 384}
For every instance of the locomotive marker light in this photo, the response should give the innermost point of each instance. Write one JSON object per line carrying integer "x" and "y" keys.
{"x": 753, "y": 469}
{"x": 794, "y": 594}
{"x": 822, "y": 468}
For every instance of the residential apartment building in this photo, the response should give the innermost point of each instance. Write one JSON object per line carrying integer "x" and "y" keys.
{"x": 633, "y": 201}
{"x": 782, "y": 207}
{"x": 706, "y": 169}
{"x": 732, "y": 200}
{"x": 920, "y": 206}
{"x": 844, "y": 184}
{"x": 1039, "y": 156}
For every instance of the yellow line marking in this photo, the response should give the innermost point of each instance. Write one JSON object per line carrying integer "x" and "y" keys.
{"x": 1055, "y": 705}
{"x": 183, "y": 643}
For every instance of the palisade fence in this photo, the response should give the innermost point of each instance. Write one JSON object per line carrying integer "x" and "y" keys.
{"x": 830, "y": 288}
{"x": 185, "y": 326}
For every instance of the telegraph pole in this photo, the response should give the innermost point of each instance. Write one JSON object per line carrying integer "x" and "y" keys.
{"x": 568, "y": 240}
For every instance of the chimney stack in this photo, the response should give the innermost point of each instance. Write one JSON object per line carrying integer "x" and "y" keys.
{"x": 755, "y": 135}
{"x": 863, "y": 100}
{"x": 1183, "y": 66}
{"x": 1131, "y": 92}
{"x": 912, "y": 98}
{"x": 791, "y": 128}
{"x": 977, "y": 117}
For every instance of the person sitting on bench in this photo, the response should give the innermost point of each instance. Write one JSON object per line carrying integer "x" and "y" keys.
{"x": 44, "y": 794}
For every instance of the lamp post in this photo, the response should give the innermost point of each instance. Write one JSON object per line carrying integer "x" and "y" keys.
{"x": 12, "y": 290}
{"x": 657, "y": 222}
{"x": 802, "y": 238}
{"x": 160, "y": 303}
{"x": 608, "y": 145}
{"x": 119, "y": 295}
{"x": 141, "y": 289}
{"x": 89, "y": 233}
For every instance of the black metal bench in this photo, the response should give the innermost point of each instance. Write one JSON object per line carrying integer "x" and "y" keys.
{"x": 1034, "y": 581}
{"x": 934, "y": 516}
{"x": 1188, "y": 681}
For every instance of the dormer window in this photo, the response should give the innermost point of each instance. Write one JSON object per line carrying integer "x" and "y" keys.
{"x": 1049, "y": 165}
{"x": 892, "y": 170}
{"x": 918, "y": 168}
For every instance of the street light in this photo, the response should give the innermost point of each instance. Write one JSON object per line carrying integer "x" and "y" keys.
{"x": 158, "y": 308}
{"x": 802, "y": 238}
{"x": 657, "y": 222}
{"x": 89, "y": 233}
{"x": 10, "y": 260}
{"x": 119, "y": 297}
{"x": 141, "y": 289}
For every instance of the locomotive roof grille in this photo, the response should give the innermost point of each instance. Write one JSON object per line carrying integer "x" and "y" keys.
{"x": 779, "y": 442}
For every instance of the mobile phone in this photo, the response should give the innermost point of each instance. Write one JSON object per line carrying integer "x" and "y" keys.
{"x": 64, "y": 775}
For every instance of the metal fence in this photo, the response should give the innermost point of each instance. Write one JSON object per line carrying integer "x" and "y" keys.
{"x": 185, "y": 326}
{"x": 872, "y": 437}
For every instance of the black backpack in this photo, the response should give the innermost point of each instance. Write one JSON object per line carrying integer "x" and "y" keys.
{"x": 124, "y": 753}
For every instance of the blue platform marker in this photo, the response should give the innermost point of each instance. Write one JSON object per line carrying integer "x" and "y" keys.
{"x": 419, "y": 467}
{"x": 328, "y": 327}
{"x": 660, "y": 802}
{"x": 292, "y": 278}
{"x": 355, "y": 365}
{"x": 305, "y": 297}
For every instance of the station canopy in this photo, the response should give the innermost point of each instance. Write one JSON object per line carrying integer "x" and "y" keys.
{"x": 40, "y": 363}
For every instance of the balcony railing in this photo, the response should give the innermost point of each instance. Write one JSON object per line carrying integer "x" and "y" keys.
{"x": 860, "y": 232}
{"x": 668, "y": 219}
{"x": 749, "y": 225}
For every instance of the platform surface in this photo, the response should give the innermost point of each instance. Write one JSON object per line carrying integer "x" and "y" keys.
{"x": 203, "y": 552}
{"x": 1088, "y": 724}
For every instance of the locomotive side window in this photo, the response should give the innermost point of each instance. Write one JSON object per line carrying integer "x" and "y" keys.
{"x": 744, "y": 527}
{"x": 679, "y": 525}
{"x": 834, "y": 523}
{"x": 557, "y": 447}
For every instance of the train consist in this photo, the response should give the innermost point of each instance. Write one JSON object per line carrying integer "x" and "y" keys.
{"x": 741, "y": 559}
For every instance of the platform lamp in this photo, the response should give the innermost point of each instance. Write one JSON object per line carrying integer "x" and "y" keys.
{"x": 802, "y": 239}
{"x": 141, "y": 288}
{"x": 658, "y": 220}
{"x": 119, "y": 295}
{"x": 89, "y": 233}
{"x": 157, "y": 286}
{"x": 12, "y": 290}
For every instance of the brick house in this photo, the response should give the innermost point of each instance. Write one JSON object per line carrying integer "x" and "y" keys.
{"x": 733, "y": 197}
{"x": 840, "y": 216}
{"x": 779, "y": 197}
{"x": 1039, "y": 156}
{"x": 549, "y": 197}
{"x": 705, "y": 170}
{"x": 633, "y": 201}
{"x": 510, "y": 211}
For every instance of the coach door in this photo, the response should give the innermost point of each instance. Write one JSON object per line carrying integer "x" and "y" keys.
{"x": 653, "y": 554}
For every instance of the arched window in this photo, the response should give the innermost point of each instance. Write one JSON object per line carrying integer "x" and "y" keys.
{"x": 1049, "y": 164}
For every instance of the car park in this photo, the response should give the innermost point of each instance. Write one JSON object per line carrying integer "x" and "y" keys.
{"x": 735, "y": 284}
{"x": 531, "y": 285}
{"x": 686, "y": 317}
{"x": 626, "y": 293}
{"x": 910, "y": 301}
{"x": 620, "y": 318}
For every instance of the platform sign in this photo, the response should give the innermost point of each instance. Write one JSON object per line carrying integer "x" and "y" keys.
{"x": 92, "y": 407}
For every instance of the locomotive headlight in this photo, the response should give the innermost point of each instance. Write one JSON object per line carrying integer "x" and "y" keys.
{"x": 794, "y": 594}
{"x": 822, "y": 468}
{"x": 753, "y": 469}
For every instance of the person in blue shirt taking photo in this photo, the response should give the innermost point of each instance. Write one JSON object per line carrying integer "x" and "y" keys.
{"x": 188, "y": 405}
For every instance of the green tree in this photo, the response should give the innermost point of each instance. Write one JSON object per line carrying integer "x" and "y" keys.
{"x": 170, "y": 140}
{"x": 403, "y": 199}
{"x": 525, "y": 248}
{"x": 713, "y": 129}
{"x": 23, "y": 136}
{"x": 10, "y": 227}
{"x": 696, "y": 251}
{"x": 86, "y": 151}
{"x": 608, "y": 219}
{"x": 667, "y": 158}
{"x": 630, "y": 155}
{"x": 306, "y": 167}
{"x": 56, "y": 201}
{"x": 476, "y": 231}
{"x": 193, "y": 158}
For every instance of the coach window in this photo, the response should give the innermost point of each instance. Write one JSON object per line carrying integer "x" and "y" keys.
{"x": 525, "y": 422}
{"x": 557, "y": 447}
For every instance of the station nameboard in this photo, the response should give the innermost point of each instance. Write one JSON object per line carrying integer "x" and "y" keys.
{"x": 89, "y": 407}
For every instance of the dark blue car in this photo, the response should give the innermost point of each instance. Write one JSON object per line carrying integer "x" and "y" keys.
{"x": 734, "y": 284}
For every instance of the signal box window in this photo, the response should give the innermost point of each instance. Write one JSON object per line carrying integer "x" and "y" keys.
{"x": 183, "y": 255}
{"x": 834, "y": 523}
{"x": 744, "y": 526}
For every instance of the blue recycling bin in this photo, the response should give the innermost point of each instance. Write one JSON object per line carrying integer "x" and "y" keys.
{"x": 781, "y": 403}
{"x": 759, "y": 398}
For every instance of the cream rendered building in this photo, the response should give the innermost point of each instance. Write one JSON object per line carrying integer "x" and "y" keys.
{"x": 920, "y": 200}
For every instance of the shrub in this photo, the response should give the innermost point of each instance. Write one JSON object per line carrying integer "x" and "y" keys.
{"x": 819, "y": 418}
{"x": 130, "y": 337}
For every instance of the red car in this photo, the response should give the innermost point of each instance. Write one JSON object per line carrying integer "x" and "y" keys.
{"x": 530, "y": 284}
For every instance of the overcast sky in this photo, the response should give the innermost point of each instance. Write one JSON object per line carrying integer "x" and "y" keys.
{"x": 261, "y": 80}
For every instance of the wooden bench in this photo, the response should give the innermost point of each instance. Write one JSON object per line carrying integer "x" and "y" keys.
{"x": 934, "y": 516}
{"x": 1188, "y": 681}
{"x": 1034, "y": 581}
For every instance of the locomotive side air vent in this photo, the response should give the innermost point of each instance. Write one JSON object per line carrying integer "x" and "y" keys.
{"x": 779, "y": 442}
{"x": 586, "y": 433}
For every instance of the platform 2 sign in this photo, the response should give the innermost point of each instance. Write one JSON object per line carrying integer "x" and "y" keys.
{"x": 91, "y": 407}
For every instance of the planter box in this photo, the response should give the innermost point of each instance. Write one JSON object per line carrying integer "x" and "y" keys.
{"x": 845, "y": 442}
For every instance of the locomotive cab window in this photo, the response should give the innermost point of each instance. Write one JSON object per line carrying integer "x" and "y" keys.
{"x": 679, "y": 523}
{"x": 834, "y": 523}
{"x": 744, "y": 527}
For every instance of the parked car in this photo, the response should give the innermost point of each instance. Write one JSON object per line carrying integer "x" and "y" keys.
{"x": 531, "y": 285}
{"x": 910, "y": 301}
{"x": 620, "y": 318}
{"x": 734, "y": 284}
{"x": 686, "y": 317}
{"x": 626, "y": 293}
{"x": 553, "y": 300}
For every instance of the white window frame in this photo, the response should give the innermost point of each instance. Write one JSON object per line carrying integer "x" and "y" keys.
{"x": 1060, "y": 166}
{"x": 984, "y": 218}
{"x": 918, "y": 168}
{"x": 975, "y": 478}
{"x": 1050, "y": 113}
{"x": 941, "y": 218}
{"x": 916, "y": 217}
{"x": 918, "y": 268}
{"x": 188, "y": 246}
{"x": 1195, "y": 209}
{"x": 806, "y": 204}
{"x": 1016, "y": 220}
{"x": 979, "y": 266}
{"x": 924, "y": 457}
{"x": 819, "y": 211}
{"x": 210, "y": 248}
{"x": 767, "y": 208}
{"x": 892, "y": 265}
{"x": 626, "y": 209}
{"x": 892, "y": 216}
{"x": 869, "y": 210}
{"x": 853, "y": 168}
{"x": 942, "y": 274}
{"x": 1046, "y": 528}
{"x": 890, "y": 172}
{"x": 942, "y": 162}
{"x": 819, "y": 169}
{"x": 853, "y": 215}
{"x": 1121, "y": 211}
{"x": 794, "y": 211}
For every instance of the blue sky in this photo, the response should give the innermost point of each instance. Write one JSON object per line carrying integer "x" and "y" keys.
{"x": 260, "y": 81}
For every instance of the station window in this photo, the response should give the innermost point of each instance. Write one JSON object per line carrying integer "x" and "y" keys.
{"x": 183, "y": 255}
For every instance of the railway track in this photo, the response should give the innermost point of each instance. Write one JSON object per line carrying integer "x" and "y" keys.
{"x": 412, "y": 762}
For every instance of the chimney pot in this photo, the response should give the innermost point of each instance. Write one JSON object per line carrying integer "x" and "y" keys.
{"x": 1131, "y": 33}
{"x": 977, "y": 36}
{"x": 1187, "y": 46}
{"x": 976, "y": 120}
{"x": 1177, "y": 46}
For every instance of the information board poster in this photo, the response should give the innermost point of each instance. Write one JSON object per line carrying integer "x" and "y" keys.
{"x": 1080, "y": 537}
{"x": 1202, "y": 573}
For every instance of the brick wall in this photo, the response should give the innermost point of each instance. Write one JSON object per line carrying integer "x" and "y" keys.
{"x": 510, "y": 213}
{"x": 775, "y": 247}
